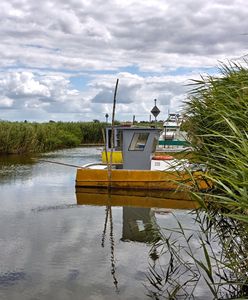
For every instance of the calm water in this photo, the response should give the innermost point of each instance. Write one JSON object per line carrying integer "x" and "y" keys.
{"x": 53, "y": 248}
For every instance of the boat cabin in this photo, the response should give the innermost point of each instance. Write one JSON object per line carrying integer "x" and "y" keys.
{"x": 133, "y": 147}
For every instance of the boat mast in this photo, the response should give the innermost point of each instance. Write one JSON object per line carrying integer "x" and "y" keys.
{"x": 112, "y": 134}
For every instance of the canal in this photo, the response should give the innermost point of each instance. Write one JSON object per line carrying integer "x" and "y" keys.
{"x": 53, "y": 245}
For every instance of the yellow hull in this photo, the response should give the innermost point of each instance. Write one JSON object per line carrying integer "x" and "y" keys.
{"x": 138, "y": 198}
{"x": 140, "y": 179}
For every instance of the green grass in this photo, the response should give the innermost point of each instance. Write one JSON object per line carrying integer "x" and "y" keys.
{"x": 22, "y": 137}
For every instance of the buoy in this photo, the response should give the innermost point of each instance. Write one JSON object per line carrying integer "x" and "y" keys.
{"x": 162, "y": 157}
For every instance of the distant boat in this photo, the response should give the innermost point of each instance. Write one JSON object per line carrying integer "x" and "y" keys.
{"x": 172, "y": 139}
{"x": 139, "y": 168}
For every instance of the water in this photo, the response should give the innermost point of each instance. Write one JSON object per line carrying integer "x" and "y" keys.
{"x": 53, "y": 248}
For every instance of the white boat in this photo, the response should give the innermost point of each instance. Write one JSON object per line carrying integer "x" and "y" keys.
{"x": 172, "y": 139}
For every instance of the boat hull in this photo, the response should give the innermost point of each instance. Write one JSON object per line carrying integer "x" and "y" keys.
{"x": 140, "y": 179}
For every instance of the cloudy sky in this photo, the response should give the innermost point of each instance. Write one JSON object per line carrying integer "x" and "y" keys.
{"x": 60, "y": 59}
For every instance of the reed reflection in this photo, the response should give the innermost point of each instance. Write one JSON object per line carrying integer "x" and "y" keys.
{"x": 210, "y": 260}
{"x": 15, "y": 166}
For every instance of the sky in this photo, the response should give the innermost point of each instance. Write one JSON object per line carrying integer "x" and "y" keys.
{"x": 59, "y": 60}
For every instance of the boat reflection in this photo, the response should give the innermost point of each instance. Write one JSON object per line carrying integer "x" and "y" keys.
{"x": 139, "y": 222}
{"x": 139, "y": 225}
{"x": 139, "y": 208}
{"x": 135, "y": 198}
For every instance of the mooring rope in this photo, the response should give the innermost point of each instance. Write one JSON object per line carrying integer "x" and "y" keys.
{"x": 60, "y": 163}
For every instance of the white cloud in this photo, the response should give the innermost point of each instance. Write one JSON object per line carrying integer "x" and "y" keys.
{"x": 6, "y": 102}
{"x": 24, "y": 84}
{"x": 43, "y": 45}
{"x": 136, "y": 94}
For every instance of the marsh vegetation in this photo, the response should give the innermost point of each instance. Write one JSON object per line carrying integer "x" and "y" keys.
{"x": 216, "y": 254}
{"x": 24, "y": 137}
{"x": 217, "y": 111}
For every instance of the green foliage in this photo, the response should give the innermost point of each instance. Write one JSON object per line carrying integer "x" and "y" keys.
{"x": 217, "y": 114}
{"x": 23, "y": 137}
{"x": 216, "y": 122}
{"x": 91, "y": 132}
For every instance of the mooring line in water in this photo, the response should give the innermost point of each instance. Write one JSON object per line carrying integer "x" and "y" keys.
{"x": 60, "y": 163}
{"x": 105, "y": 225}
{"x": 112, "y": 247}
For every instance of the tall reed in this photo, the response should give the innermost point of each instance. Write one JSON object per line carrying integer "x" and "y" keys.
{"x": 23, "y": 137}
{"x": 216, "y": 121}
{"x": 217, "y": 114}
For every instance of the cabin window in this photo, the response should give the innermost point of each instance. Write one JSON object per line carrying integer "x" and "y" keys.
{"x": 138, "y": 142}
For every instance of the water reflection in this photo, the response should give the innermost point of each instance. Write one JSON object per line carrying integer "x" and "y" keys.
{"x": 139, "y": 225}
{"x": 211, "y": 258}
{"x": 233, "y": 238}
{"x": 136, "y": 198}
{"x": 139, "y": 210}
{"x": 109, "y": 217}
{"x": 11, "y": 278}
{"x": 55, "y": 207}
{"x": 56, "y": 244}
{"x": 203, "y": 260}
{"x": 15, "y": 166}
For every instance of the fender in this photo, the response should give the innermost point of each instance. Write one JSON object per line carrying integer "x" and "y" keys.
{"x": 162, "y": 157}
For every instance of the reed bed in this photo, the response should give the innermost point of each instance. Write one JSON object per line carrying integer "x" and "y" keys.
{"x": 24, "y": 137}
{"x": 215, "y": 256}
{"x": 217, "y": 114}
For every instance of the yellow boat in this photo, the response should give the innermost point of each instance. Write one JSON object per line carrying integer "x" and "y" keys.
{"x": 139, "y": 170}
